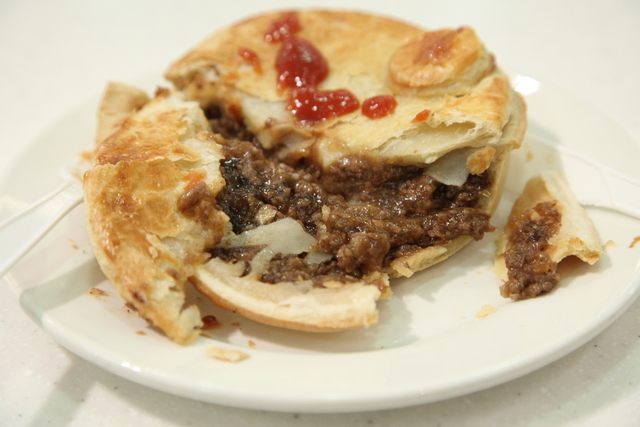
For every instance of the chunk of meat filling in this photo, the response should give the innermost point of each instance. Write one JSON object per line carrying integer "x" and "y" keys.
{"x": 404, "y": 190}
{"x": 226, "y": 125}
{"x": 284, "y": 268}
{"x": 361, "y": 211}
{"x": 531, "y": 270}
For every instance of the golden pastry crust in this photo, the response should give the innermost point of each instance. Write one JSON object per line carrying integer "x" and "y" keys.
{"x": 448, "y": 61}
{"x": 214, "y": 64}
{"x": 293, "y": 305}
{"x": 145, "y": 234}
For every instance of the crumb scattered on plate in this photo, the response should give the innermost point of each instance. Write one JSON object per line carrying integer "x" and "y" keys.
{"x": 485, "y": 311}
{"x": 97, "y": 293}
{"x": 209, "y": 322}
{"x": 530, "y": 155}
{"x": 226, "y": 354}
{"x": 635, "y": 241}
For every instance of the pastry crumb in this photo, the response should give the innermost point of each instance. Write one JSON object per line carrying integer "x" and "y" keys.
{"x": 226, "y": 354}
{"x": 635, "y": 241}
{"x": 610, "y": 244}
{"x": 485, "y": 311}
{"x": 97, "y": 293}
{"x": 530, "y": 156}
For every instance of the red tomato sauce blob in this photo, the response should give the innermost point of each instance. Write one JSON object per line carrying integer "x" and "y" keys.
{"x": 421, "y": 116}
{"x": 301, "y": 68}
{"x": 311, "y": 105}
{"x": 300, "y": 64}
{"x": 379, "y": 106}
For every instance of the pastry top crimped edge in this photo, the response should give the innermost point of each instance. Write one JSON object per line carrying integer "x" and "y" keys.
{"x": 146, "y": 246}
{"x": 369, "y": 55}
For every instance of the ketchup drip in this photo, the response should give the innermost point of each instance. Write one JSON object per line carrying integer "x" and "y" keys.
{"x": 301, "y": 68}
{"x": 252, "y": 57}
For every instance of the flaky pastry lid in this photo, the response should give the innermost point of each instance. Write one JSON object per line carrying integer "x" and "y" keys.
{"x": 448, "y": 72}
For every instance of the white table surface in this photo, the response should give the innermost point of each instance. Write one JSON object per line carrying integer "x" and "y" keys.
{"x": 56, "y": 55}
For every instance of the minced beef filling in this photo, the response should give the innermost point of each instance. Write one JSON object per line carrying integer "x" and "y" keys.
{"x": 530, "y": 269}
{"x": 363, "y": 212}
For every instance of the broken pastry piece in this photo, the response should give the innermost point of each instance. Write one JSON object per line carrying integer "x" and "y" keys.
{"x": 149, "y": 204}
{"x": 546, "y": 225}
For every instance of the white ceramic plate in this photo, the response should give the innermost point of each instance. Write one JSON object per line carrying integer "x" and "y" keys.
{"x": 429, "y": 344}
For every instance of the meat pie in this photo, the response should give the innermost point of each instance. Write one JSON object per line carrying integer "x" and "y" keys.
{"x": 308, "y": 158}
